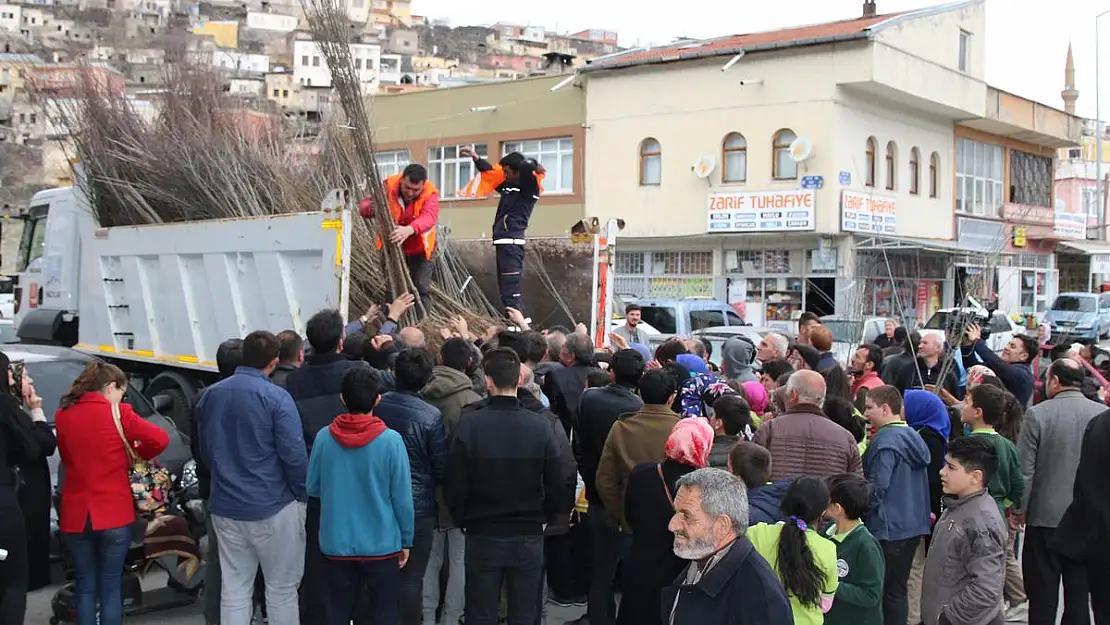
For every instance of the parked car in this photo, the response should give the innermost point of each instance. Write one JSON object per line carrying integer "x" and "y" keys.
{"x": 1001, "y": 326}
{"x": 7, "y": 331}
{"x": 1079, "y": 316}
{"x": 848, "y": 334}
{"x": 685, "y": 316}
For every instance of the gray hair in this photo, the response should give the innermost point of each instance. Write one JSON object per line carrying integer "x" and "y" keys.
{"x": 722, "y": 494}
{"x": 555, "y": 342}
{"x": 581, "y": 347}
{"x": 809, "y": 386}
{"x": 780, "y": 343}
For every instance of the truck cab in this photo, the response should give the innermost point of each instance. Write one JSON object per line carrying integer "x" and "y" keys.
{"x": 48, "y": 267}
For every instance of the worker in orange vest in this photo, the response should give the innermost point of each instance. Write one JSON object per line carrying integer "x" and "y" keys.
{"x": 414, "y": 204}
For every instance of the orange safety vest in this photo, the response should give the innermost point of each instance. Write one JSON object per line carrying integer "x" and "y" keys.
{"x": 484, "y": 183}
{"x": 397, "y": 207}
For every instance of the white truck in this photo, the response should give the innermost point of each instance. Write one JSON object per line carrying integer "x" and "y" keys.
{"x": 157, "y": 300}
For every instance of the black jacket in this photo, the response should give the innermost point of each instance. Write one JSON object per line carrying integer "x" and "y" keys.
{"x": 508, "y": 472}
{"x": 18, "y": 445}
{"x": 564, "y": 387}
{"x": 598, "y": 410}
{"x": 741, "y": 588}
{"x": 1084, "y": 532}
{"x": 316, "y": 386}
{"x": 921, "y": 375}
{"x": 518, "y": 199}
{"x": 421, "y": 426}
{"x": 281, "y": 372}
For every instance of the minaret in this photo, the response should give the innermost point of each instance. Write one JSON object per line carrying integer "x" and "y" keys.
{"x": 1069, "y": 94}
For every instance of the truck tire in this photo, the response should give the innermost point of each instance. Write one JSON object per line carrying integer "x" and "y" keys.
{"x": 182, "y": 393}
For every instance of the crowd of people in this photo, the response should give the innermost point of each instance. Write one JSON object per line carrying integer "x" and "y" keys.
{"x": 362, "y": 474}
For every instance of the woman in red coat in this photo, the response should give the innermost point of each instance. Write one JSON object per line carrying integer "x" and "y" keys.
{"x": 97, "y": 509}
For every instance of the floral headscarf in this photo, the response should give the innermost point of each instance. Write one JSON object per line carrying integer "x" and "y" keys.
{"x": 690, "y": 442}
{"x": 690, "y": 402}
{"x": 976, "y": 374}
{"x": 757, "y": 396}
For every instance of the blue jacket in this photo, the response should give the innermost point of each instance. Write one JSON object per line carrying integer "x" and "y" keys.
{"x": 365, "y": 492}
{"x": 421, "y": 427}
{"x": 251, "y": 440}
{"x": 897, "y": 465}
{"x": 765, "y": 502}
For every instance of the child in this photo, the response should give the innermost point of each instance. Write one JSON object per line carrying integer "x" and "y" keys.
{"x": 752, "y": 464}
{"x": 804, "y": 562}
{"x": 984, "y": 409}
{"x": 859, "y": 558}
{"x": 966, "y": 563}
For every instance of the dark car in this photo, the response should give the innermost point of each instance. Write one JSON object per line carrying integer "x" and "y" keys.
{"x": 54, "y": 369}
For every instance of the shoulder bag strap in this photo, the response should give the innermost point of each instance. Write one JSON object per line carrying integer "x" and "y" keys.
{"x": 131, "y": 455}
{"x": 666, "y": 489}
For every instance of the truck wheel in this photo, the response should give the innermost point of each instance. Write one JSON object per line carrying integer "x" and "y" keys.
{"x": 180, "y": 410}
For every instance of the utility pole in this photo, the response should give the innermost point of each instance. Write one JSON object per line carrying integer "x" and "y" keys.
{"x": 1098, "y": 140}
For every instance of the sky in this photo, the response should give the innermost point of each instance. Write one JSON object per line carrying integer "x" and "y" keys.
{"x": 1027, "y": 40}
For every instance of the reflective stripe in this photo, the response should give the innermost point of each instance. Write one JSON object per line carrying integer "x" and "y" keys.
{"x": 509, "y": 241}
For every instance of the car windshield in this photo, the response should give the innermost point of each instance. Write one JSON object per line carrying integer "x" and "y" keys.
{"x": 660, "y": 317}
{"x": 843, "y": 330}
{"x": 939, "y": 321}
{"x": 1072, "y": 303}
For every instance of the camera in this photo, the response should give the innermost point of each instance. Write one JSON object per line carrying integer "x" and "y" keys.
{"x": 958, "y": 322}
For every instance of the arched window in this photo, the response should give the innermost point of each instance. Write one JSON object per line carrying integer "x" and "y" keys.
{"x": 651, "y": 163}
{"x": 915, "y": 171}
{"x": 783, "y": 167}
{"x": 934, "y": 175}
{"x": 869, "y": 164}
{"x": 734, "y": 158}
{"x": 891, "y": 165}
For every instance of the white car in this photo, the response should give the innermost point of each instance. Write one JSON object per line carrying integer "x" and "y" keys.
{"x": 1001, "y": 326}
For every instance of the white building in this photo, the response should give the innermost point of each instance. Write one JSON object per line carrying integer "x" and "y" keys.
{"x": 11, "y": 18}
{"x": 390, "y": 70}
{"x": 235, "y": 61}
{"x": 310, "y": 69}
{"x": 276, "y": 22}
{"x": 787, "y": 181}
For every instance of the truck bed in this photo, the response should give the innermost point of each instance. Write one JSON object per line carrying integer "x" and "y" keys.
{"x": 171, "y": 293}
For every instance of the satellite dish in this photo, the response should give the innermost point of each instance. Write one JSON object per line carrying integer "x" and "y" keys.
{"x": 704, "y": 166}
{"x": 801, "y": 149}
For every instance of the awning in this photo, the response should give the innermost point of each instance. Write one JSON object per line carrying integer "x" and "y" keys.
{"x": 891, "y": 243}
{"x": 1090, "y": 248}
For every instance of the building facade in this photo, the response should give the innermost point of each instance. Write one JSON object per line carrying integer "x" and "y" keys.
{"x": 310, "y": 68}
{"x": 429, "y": 127}
{"x": 818, "y": 171}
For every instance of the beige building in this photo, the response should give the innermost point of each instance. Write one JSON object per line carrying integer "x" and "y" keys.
{"x": 776, "y": 170}
{"x": 428, "y": 127}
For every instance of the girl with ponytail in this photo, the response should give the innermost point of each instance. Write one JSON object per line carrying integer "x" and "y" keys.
{"x": 803, "y": 560}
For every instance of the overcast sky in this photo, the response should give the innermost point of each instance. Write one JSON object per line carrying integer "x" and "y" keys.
{"x": 1027, "y": 40}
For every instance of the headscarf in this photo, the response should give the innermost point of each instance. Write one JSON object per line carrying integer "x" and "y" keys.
{"x": 924, "y": 409}
{"x": 976, "y": 374}
{"x": 690, "y": 394}
{"x": 690, "y": 442}
{"x": 757, "y": 397}
{"x": 692, "y": 363}
{"x": 737, "y": 355}
{"x": 643, "y": 351}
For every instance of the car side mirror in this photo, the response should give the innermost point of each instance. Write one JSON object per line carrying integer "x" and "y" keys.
{"x": 162, "y": 402}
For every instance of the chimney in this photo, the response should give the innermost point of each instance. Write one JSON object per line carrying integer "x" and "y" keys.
{"x": 869, "y": 8}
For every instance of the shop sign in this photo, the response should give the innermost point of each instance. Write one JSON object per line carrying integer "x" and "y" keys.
{"x": 1028, "y": 214}
{"x": 981, "y": 236}
{"x": 761, "y": 211}
{"x": 868, "y": 212}
{"x": 1020, "y": 236}
{"x": 1069, "y": 224}
{"x": 1100, "y": 264}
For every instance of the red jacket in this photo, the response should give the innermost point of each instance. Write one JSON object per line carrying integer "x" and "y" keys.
{"x": 96, "y": 482}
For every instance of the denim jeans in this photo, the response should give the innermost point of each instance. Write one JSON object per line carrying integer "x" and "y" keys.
{"x": 514, "y": 563}
{"x": 277, "y": 544}
{"x": 98, "y": 559}
{"x": 447, "y": 546}
{"x": 379, "y": 581}
{"x": 412, "y": 576}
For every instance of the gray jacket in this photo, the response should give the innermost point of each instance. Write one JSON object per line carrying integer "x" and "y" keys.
{"x": 966, "y": 564}
{"x": 1053, "y": 435}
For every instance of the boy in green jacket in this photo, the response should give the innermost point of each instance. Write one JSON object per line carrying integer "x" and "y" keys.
{"x": 859, "y": 558}
{"x": 984, "y": 409}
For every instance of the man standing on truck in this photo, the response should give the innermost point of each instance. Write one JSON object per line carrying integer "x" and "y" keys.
{"x": 519, "y": 181}
{"x": 414, "y": 204}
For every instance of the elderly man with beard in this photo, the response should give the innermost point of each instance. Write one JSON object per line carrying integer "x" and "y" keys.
{"x": 727, "y": 581}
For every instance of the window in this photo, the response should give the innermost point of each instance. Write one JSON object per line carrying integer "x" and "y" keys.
{"x": 701, "y": 319}
{"x": 275, "y": 93}
{"x": 915, "y": 171}
{"x": 1030, "y": 179}
{"x": 891, "y": 165}
{"x": 1090, "y": 202}
{"x": 965, "y": 51}
{"x": 448, "y": 171}
{"x": 784, "y": 167}
{"x": 316, "y": 61}
{"x": 934, "y": 175}
{"x": 304, "y": 61}
{"x": 285, "y": 93}
{"x": 979, "y": 178}
{"x": 1075, "y": 154}
{"x": 735, "y": 158}
{"x": 557, "y": 157}
{"x": 869, "y": 164}
{"x": 392, "y": 162}
{"x": 651, "y": 163}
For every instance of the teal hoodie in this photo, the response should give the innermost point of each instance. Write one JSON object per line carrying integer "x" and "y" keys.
{"x": 359, "y": 469}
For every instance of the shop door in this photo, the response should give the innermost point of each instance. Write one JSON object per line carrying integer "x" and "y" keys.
{"x": 821, "y": 296}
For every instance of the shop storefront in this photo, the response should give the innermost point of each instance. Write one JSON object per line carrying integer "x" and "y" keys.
{"x": 905, "y": 284}
{"x": 1084, "y": 265}
{"x": 776, "y": 286}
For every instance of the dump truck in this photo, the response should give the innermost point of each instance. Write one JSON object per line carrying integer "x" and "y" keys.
{"x": 157, "y": 300}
